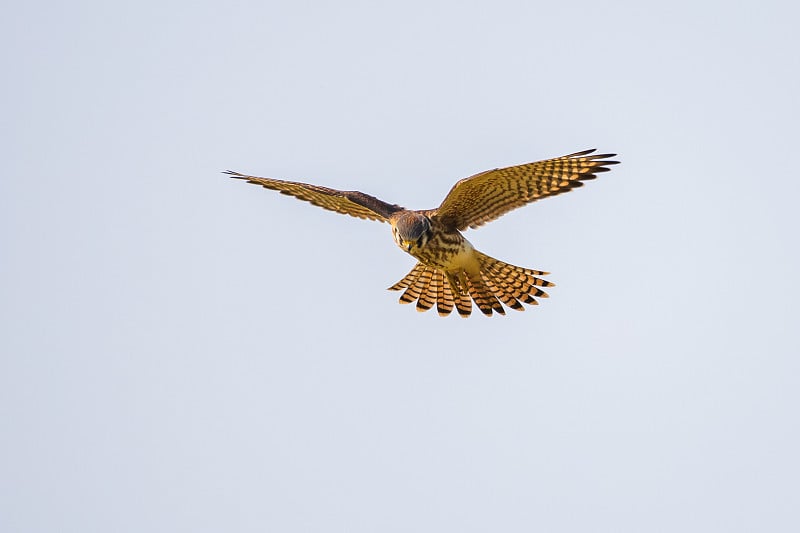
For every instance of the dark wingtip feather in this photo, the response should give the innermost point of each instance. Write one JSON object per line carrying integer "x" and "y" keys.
{"x": 601, "y": 158}
{"x": 582, "y": 153}
{"x": 236, "y": 175}
{"x": 595, "y": 156}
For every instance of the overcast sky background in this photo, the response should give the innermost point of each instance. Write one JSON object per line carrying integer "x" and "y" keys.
{"x": 186, "y": 352}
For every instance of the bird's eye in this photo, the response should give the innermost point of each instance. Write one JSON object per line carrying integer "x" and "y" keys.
{"x": 419, "y": 242}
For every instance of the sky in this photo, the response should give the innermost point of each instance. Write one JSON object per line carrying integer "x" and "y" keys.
{"x": 180, "y": 351}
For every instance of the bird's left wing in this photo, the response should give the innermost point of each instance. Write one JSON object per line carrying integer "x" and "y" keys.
{"x": 486, "y": 196}
{"x": 351, "y": 203}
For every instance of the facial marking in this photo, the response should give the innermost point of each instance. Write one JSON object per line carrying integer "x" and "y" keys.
{"x": 411, "y": 230}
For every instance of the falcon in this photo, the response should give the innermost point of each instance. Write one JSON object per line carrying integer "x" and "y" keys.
{"x": 450, "y": 272}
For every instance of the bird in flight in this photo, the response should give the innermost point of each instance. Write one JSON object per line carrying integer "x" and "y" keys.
{"x": 450, "y": 272}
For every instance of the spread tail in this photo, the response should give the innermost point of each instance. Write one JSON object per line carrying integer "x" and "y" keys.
{"x": 495, "y": 284}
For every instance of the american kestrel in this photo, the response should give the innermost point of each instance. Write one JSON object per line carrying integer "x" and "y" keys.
{"x": 450, "y": 272}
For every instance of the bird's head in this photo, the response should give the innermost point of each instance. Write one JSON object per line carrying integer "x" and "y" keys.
{"x": 411, "y": 231}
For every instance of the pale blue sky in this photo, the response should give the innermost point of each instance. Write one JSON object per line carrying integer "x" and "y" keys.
{"x": 185, "y": 352}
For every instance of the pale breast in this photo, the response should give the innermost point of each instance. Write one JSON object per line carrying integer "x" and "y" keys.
{"x": 447, "y": 251}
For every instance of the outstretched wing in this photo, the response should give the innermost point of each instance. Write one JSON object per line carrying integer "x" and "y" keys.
{"x": 351, "y": 203}
{"x": 486, "y": 196}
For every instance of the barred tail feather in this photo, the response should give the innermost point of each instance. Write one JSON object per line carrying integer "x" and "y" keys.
{"x": 496, "y": 284}
{"x": 484, "y": 298}
{"x": 429, "y": 286}
{"x": 409, "y": 278}
{"x": 426, "y": 297}
{"x": 512, "y": 283}
{"x": 419, "y": 285}
{"x": 463, "y": 304}
{"x": 444, "y": 296}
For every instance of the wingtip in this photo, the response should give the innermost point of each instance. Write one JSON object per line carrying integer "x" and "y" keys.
{"x": 592, "y": 155}
{"x": 582, "y": 153}
{"x": 234, "y": 174}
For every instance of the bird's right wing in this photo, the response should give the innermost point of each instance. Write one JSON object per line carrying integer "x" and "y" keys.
{"x": 351, "y": 203}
